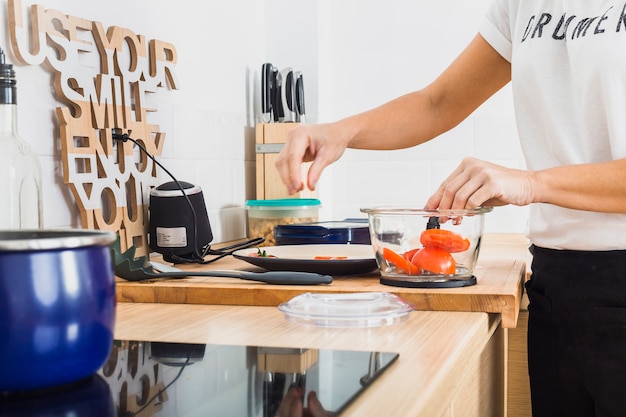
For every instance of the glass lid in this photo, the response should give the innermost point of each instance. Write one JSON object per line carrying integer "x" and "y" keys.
{"x": 368, "y": 309}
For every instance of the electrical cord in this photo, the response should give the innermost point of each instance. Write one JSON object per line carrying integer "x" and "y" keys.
{"x": 198, "y": 255}
{"x": 161, "y": 391}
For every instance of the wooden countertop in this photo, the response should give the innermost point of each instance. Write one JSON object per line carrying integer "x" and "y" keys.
{"x": 422, "y": 382}
{"x": 500, "y": 276}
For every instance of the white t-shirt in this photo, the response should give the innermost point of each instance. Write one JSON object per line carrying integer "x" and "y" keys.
{"x": 568, "y": 63}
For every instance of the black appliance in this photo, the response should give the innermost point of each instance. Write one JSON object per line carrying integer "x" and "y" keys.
{"x": 179, "y": 224}
{"x": 161, "y": 379}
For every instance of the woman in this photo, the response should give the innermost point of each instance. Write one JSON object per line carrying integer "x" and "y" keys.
{"x": 566, "y": 61}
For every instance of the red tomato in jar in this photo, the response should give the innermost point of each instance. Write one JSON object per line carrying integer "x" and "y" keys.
{"x": 435, "y": 260}
{"x": 408, "y": 255}
{"x": 444, "y": 239}
{"x": 403, "y": 265}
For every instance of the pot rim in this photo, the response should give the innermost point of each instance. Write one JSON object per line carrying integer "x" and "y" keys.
{"x": 50, "y": 239}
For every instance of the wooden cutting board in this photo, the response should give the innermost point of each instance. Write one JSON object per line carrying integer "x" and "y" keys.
{"x": 499, "y": 289}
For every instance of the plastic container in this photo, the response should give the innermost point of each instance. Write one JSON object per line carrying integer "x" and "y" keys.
{"x": 366, "y": 309}
{"x": 265, "y": 215}
{"x": 447, "y": 256}
{"x": 349, "y": 231}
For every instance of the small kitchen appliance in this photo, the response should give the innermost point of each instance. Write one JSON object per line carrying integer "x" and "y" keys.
{"x": 421, "y": 248}
{"x": 179, "y": 224}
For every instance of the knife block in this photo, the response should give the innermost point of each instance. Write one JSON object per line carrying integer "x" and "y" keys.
{"x": 270, "y": 138}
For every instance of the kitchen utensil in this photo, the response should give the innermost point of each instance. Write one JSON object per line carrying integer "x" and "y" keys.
{"x": 359, "y": 259}
{"x": 270, "y": 277}
{"x": 131, "y": 269}
{"x": 57, "y": 306}
{"x": 426, "y": 248}
{"x": 267, "y": 87}
{"x": 287, "y": 94}
{"x": 277, "y": 108}
{"x": 300, "y": 110}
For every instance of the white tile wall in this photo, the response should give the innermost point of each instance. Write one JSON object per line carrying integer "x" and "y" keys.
{"x": 376, "y": 53}
{"x": 355, "y": 54}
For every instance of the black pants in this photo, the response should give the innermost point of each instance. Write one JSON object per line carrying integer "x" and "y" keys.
{"x": 577, "y": 333}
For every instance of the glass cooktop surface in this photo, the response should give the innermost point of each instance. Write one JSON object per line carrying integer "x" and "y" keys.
{"x": 162, "y": 379}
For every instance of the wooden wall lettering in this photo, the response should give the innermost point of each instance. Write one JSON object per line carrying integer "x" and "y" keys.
{"x": 109, "y": 180}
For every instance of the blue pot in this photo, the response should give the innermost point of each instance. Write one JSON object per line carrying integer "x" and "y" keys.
{"x": 57, "y": 306}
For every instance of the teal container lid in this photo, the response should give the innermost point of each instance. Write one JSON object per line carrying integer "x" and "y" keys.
{"x": 284, "y": 202}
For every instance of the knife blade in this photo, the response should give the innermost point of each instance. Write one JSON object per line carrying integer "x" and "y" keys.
{"x": 267, "y": 76}
{"x": 287, "y": 95}
{"x": 300, "y": 111}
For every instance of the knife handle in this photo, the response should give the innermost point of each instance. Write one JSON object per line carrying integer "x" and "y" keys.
{"x": 287, "y": 95}
{"x": 267, "y": 71}
{"x": 300, "y": 111}
{"x": 276, "y": 96}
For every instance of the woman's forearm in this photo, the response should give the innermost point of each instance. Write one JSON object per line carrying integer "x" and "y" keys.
{"x": 594, "y": 187}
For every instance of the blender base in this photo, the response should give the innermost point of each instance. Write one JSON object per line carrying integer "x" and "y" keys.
{"x": 450, "y": 283}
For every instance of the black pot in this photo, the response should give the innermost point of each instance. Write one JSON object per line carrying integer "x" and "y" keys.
{"x": 57, "y": 306}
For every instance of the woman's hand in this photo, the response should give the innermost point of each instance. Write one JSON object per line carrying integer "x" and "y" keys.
{"x": 475, "y": 183}
{"x": 321, "y": 144}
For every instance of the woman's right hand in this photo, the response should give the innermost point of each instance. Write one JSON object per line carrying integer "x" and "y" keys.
{"x": 320, "y": 144}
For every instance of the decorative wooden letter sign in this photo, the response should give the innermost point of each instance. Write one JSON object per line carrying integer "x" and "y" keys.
{"x": 109, "y": 179}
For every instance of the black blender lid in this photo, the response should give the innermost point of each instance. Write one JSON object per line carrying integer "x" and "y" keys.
{"x": 171, "y": 185}
{"x": 171, "y": 189}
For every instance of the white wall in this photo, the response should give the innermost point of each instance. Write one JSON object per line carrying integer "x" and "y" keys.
{"x": 374, "y": 52}
{"x": 209, "y": 121}
{"x": 354, "y": 55}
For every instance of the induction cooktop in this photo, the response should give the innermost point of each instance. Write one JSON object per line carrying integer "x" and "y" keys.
{"x": 149, "y": 378}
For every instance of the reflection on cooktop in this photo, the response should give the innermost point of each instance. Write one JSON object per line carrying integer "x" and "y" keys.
{"x": 184, "y": 380}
